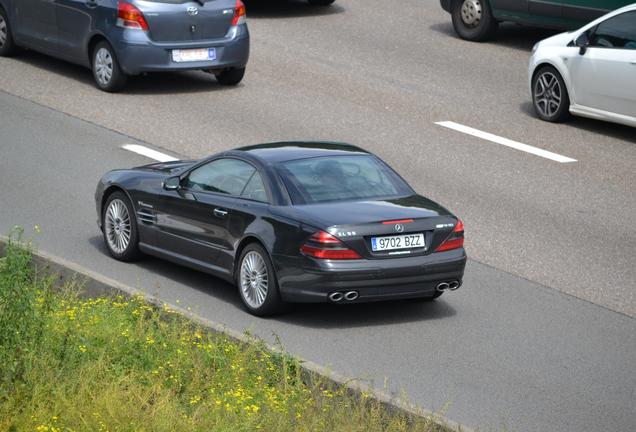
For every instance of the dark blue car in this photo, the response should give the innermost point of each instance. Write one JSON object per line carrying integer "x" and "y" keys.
{"x": 120, "y": 38}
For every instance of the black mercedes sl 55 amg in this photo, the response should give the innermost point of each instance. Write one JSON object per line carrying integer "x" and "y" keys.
{"x": 287, "y": 222}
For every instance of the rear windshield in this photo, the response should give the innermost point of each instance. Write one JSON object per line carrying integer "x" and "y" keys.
{"x": 340, "y": 178}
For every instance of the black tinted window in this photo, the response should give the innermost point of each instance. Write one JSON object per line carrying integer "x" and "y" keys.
{"x": 229, "y": 176}
{"x": 616, "y": 32}
{"x": 340, "y": 178}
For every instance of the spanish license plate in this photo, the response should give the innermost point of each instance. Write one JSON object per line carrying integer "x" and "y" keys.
{"x": 190, "y": 55}
{"x": 404, "y": 241}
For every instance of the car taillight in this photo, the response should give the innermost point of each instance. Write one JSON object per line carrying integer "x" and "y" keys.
{"x": 129, "y": 16}
{"x": 239, "y": 14}
{"x": 325, "y": 246}
{"x": 455, "y": 240}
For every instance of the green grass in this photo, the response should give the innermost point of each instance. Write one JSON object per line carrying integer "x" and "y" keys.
{"x": 119, "y": 364}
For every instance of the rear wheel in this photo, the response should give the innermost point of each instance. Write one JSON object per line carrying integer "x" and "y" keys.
{"x": 108, "y": 75}
{"x": 257, "y": 282}
{"x": 321, "y": 2}
{"x": 7, "y": 46}
{"x": 230, "y": 77}
{"x": 120, "y": 228}
{"x": 550, "y": 96}
{"x": 473, "y": 20}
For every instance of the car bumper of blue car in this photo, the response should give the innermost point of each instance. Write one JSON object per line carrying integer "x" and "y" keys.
{"x": 308, "y": 280}
{"x": 137, "y": 53}
{"x": 446, "y": 5}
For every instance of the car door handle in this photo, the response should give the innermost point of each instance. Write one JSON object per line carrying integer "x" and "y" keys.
{"x": 91, "y": 3}
{"x": 219, "y": 212}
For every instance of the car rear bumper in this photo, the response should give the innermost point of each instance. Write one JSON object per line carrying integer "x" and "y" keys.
{"x": 446, "y": 5}
{"x": 137, "y": 53}
{"x": 307, "y": 280}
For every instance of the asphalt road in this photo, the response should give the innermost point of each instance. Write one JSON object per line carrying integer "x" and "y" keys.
{"x": 380, "y": 75}
{"x": 501, "y": 352}
{"x": 510, "y": 348}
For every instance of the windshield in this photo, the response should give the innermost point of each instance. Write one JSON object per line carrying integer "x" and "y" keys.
{"x": 340, "y": 178}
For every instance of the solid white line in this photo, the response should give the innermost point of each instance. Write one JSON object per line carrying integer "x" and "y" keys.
{"x": 148, "y": 152}
{"x": 506, "y": 142}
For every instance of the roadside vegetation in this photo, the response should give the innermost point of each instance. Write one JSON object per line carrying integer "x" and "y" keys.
{"x": 69, "y": 363}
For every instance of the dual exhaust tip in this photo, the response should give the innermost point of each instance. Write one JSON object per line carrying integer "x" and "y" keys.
{"x": 452, "y": 286}
{"x": 338, "y": 296}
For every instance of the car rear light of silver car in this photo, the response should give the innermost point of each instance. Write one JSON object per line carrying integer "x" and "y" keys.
{"x": 455, "y": 240}
{"x": 323, "y": 245}
{"x": 130, "y": 17}
{"x": 239, "y": 14}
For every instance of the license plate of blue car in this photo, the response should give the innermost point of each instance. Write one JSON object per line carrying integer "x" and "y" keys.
{"x": 404, "y": 241}
{"x": 191, "y": 55}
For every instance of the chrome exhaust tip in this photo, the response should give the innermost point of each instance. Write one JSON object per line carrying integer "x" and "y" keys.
{"x": 336, "y": 296}
{"x": 351, "y": 295}
{"x": 442, "y": 286}
{"x": 453, "y": 285}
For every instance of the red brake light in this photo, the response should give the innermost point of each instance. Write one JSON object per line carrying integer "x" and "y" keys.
{"x": 239, "y": 14}
{"x": 129, "y": 16}
{"x": 455, "y": 240}
{"x": 391, "y": 222}
{"x": 323, "y": 245}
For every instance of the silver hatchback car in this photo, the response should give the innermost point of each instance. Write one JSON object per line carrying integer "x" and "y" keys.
{"x": 118, "y": 38}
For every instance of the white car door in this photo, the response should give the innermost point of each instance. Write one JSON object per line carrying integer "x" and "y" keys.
{"x": 604, "y": 78}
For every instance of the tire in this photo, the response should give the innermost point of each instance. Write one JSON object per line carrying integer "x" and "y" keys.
{"x": 473, "y": 20}
{"x": 106, "y": 70}
{"x": 320, "y": 2}
{"x": 118, "y": 218}
{"x": 550, "y": 97}
{"x": 230, "y": 77}
{"x": 7, "y": 45}
{"x": 255, "y": 272}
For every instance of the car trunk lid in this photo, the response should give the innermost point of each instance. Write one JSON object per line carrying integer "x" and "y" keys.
{"x": 187, "y": 21}
{"x": 357, "y": 223}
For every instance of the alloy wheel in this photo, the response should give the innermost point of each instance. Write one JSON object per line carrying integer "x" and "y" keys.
{"x": 253, "y": 279}
{"x": 3, "y": 31}
{"x": 118, "y": 226}
{"x": 103, "y": 66}
{"x": 471, "y": 12}
{"x": 547, "y": 94}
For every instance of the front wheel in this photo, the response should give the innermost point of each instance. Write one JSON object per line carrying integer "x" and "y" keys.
{"x": 120, "y": 228}
{"x": 7, "y": 46}
{"x": 230, "y": 77}
{"x": 550, "y": 96}
{"x": 257, "y": 282}
{"x": 473, "y": 20}
{"x": 106, "y": 70}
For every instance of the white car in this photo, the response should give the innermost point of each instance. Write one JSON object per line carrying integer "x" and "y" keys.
{"x": 589, "y": 72}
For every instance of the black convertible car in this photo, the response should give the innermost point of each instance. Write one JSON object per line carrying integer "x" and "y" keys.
{"x": 287, "y": 222}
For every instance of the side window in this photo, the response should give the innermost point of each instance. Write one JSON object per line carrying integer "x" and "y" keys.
{"x": 228, "y": 176}
{"x": 255, "y": 190}
{"x": 616, "y": 32}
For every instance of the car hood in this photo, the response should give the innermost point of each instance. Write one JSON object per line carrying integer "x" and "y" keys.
{"x": 562, "y": 39}
{"x": 169, "y": 168}
{"x": 359, "y": 212}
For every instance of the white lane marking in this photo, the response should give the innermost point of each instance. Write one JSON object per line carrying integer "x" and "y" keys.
{"x": 148, "y": 152}
{"x": 506, "y": 142}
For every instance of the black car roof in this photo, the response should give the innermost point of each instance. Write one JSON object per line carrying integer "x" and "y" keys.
{"x": 285, "y": 151}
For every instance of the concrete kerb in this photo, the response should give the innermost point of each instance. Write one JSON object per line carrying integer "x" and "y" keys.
{"x": 94, "y": 285}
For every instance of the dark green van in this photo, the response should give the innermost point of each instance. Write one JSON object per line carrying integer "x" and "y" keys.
{"x": 477, "y": 20}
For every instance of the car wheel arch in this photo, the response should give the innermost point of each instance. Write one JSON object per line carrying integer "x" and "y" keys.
{"x": 92, "y": 43}
{"x": 111, "y": 189}
{"x": 564, "y": 76}
{"x": 246, "y": 241}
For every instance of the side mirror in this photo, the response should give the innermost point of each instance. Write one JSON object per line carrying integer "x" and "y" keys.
{"x": 172, "y": 183}
{"x": 583, "y": 41}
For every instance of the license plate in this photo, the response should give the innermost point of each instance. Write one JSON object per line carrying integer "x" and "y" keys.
{"x": 404, "y": 241}
{"x": 189, "y": 55}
